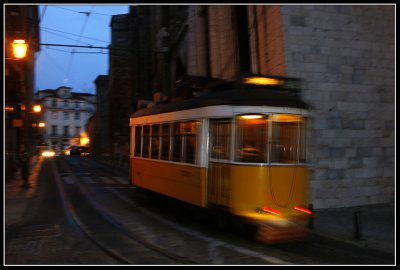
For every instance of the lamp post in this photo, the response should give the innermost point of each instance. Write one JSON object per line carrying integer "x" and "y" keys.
{"x": 17, "y": 64}
{"x": 21, "y": 42}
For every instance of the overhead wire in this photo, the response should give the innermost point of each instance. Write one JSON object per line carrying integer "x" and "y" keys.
{"x": 84, "y": 12}
{"x": 79, "y": 37}
{"x": 46, "y": 29}
{"x": 56, "y": 64}
{"x": 77, "y": 40}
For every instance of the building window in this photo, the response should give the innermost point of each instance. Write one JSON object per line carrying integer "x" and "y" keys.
{"x": 77, "y": 131}
{"x": 76, "y": 104}
{"x": 54, "y": 102}
{"x": 66, "y": 116}
{"x": 66, "y": 131}
{"x": 54, "y": 115}
{"x": 66, "y": 103}
{"x": 53, "y": 130}
{"x": 77, "y": 116}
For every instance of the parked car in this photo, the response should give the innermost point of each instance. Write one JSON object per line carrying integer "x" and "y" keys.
{"x": 77, "y": 150}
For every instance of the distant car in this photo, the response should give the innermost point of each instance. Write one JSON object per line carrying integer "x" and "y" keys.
{"x": 48, "y": 153}
{"x": 77, "y": 150}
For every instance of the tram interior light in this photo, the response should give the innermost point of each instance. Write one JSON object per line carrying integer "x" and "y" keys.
{"x": 285, "y": 118}
{"x": 251, "y": 116}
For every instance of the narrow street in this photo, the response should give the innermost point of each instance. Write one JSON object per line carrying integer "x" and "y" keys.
{"x": 86, "y": 212}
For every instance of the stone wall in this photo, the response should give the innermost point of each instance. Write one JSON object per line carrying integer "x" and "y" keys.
{"x": 345, "y": 54}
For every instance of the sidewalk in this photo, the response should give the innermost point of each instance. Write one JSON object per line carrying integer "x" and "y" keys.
{"x": 371, "y": 226}
{"x": 17, "y": 197}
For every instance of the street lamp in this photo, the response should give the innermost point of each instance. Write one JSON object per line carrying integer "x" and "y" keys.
{"x": 37, "y": 108}
{"x": 19, "y": 48}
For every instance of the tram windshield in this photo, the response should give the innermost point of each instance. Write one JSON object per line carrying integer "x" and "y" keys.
{"x": 277, "y": 138}
{"x": 288, "y": 135}
{"x": 251, "y": 138}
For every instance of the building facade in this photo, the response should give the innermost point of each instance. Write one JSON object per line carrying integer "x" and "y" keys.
{"x": 65, "y": 114}
{"x": 100, "y": 133}
{"x": 20, "y": 22}
{"x": 146, "y": 56}
{"x": 345, "y": 56}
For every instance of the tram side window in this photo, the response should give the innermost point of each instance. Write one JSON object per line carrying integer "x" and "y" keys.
{"x": 146, "y": 141}
{"x": 138, "y": 140}
{"x": 288, "y": 139}
{"x": 221, "y": 138}
{"x": 251, "y": 138}
{"x": 190, "y": 141}
{"x": 165, "y": 141}
{"x": 177, "y": 141}
{"x": 155, "y": 141}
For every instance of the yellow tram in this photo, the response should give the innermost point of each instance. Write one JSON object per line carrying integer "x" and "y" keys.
{"x": 241, "y": 149}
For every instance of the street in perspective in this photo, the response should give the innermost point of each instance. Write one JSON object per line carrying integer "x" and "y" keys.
{"x": 82, "y": 210}
{"x": 215, "y": 135}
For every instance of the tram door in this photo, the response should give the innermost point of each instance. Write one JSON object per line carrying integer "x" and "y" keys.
{"x": 218, "y": 187}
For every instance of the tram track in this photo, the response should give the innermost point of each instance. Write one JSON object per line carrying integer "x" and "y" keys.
{"x": 134, "y": 230}
{"x": 178, "y": 244}
{"x": 104, "y": 232}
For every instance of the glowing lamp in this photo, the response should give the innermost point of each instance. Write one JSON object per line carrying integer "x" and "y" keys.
{"x": 84, "y": 140}
{"x": 37, "y": 109}
{"x": 19, "y": 48}
{"x": 251, "y": 116}
{"x": 262, "y": 81}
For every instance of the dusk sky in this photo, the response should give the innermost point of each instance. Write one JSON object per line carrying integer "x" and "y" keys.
{"x": 81, "y": 25}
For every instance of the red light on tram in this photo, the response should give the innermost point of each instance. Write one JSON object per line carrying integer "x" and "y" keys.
{"x": 271, "y": 211}
{"x": 302, "y": 209}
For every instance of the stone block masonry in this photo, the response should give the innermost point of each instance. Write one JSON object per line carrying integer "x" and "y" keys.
{"x": 345, "y": 55}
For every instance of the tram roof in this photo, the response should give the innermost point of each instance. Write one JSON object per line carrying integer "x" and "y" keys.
{"x": 236, "y": 97}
